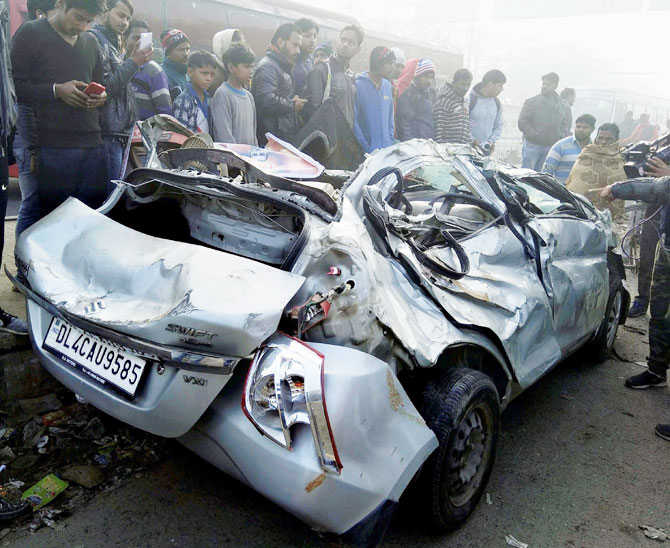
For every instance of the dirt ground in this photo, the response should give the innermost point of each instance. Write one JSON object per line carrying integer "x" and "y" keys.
{"x": 578, "y": 466}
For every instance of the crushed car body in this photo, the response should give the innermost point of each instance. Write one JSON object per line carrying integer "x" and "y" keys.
{"x": 308, "y": 336}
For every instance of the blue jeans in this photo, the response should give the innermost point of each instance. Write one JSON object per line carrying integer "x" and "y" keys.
{"x": 114, "y": 150}
{"x": 77, "y": 172}
{"x": 533, "y": 156}
{"x": 29, "y": 212}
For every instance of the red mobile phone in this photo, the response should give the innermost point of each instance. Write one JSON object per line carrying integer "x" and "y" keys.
{"x": 94, "y": 89}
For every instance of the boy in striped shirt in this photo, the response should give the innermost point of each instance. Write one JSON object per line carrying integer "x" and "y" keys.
{"x": 150, "y": 84}
{"x": 565, "y": 152}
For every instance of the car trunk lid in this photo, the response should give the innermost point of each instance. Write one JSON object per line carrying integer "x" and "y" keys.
{"x": 170, "y": 293}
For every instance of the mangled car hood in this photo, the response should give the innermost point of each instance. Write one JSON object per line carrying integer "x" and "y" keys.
{"x": 168, "y": 292}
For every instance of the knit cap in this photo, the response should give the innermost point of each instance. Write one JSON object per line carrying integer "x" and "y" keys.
{"x": 170, "y": 39}
{"x": 424, "y": 66}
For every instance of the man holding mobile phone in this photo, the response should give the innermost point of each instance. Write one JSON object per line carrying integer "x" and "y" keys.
{"x": 118, "y": 115}
{"x": 54, "y": 60}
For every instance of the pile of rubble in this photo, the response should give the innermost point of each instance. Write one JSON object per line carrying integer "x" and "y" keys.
{"x": 57, "y": 452}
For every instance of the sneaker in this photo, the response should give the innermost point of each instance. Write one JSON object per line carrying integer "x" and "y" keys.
{"x": 646, "y": 380}
{"x": 663, "y": 431}
{"x": 637, "y": 309}
{"x": 9, "y": 510}
{"x": 12, "y": 324}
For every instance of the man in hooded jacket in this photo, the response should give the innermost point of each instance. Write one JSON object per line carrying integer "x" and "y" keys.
{"x": 414, "y": 114}
{"x": 374, "y": 125}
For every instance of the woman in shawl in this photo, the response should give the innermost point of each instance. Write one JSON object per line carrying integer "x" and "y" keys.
{"x": 221, "y": 44}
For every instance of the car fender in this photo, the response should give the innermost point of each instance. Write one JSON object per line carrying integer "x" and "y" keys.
{"x": 381, "y": 439}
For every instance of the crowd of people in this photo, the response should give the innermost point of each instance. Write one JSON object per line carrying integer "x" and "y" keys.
{"x": 84, "y": 74}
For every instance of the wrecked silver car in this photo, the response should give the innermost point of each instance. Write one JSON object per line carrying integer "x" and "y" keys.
{"x": 331, "y": 342}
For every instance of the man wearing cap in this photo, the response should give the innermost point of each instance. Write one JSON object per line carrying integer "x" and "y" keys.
{"x": 414, "y": 114}
{"x": 322, "y": 52}
{"x": 177, "y": 47}
{"x": 373, "y": 113}
{"x": 333, "y": 78}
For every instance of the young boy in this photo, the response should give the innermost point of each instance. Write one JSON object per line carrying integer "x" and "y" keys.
{"x": 233, "y": 107}
{"x": 191, "y": 108}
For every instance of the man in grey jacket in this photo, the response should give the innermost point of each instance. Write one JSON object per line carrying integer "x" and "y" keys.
{"x": 118, "y": 115}
{"x": 542, "y": 122}
{"x": 486, "y": 112}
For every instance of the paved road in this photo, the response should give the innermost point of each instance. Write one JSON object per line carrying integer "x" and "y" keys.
{"x": 578, "y": 467}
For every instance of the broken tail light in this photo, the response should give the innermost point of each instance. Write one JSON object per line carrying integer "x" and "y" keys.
{"x": 284, "y": 387}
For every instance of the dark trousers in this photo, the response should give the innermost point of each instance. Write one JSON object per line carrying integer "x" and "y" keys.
{"x": 648, "y": 240}
{"x": 4, "y": 184}
{"x": 77, "y": 172}
{"x": 659, "y": 324}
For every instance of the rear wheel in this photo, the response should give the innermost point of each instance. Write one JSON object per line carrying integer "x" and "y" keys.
{"x": 462, "y": 407}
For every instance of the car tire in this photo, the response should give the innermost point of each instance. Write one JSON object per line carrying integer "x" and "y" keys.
{"x": 601, "y": 346}
{"x": 461, "y": 406}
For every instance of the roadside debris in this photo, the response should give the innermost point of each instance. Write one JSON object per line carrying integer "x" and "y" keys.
{"x": 86, "y": 476}
{"x": 44, "y": 491}
{"x": 38, "y": 406}
{"x": 514, "y": 542}
{"x": 58, "y": 446}
{"x": 488, "y": 499}
{"x": 655, "y": 533}
{"x": 633, "y": 329}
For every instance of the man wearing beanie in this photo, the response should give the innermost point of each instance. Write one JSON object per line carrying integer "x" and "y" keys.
{"x": 414, "y": 116}
{"x": 373, "y": 110}
{"x": 177, "y": 48}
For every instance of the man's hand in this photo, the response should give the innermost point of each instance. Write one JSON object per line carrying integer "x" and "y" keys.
{"x": 656, "y": 168}
{"x": 95, "y": 101}
{"x": 298, "y": 103}
{"x": 606, "y": 194}
{"x": 142, "y": 57}
{"x": 72, "y": 93}
{"x": 476, "y": 143}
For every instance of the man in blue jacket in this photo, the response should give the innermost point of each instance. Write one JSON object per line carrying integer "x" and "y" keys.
{"x": 373, "y": 110}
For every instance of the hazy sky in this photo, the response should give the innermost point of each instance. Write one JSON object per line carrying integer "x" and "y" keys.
{"x": 603, "y": 45}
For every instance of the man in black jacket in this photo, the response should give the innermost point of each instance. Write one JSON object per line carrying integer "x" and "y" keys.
{"x": 118, "y": 115}
{"x": 54, "y": 60}
{"x": 334, "y": 78}
{"x": 543, "y": 122}
{"x": 414, "y": 113}
{"x": 653, "y": 191}
{"x": 277, "y": 105}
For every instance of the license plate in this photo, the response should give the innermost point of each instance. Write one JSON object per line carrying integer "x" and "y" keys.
{"x": 102, "y": 360}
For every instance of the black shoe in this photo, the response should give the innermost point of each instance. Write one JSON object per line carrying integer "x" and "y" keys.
{"x": 11, "y": 324}
{"x": 637, "y": 309}
{"x": 9, "y": 510}
{"x": 663, "y": 431}
{"x": 646, "y": 380}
